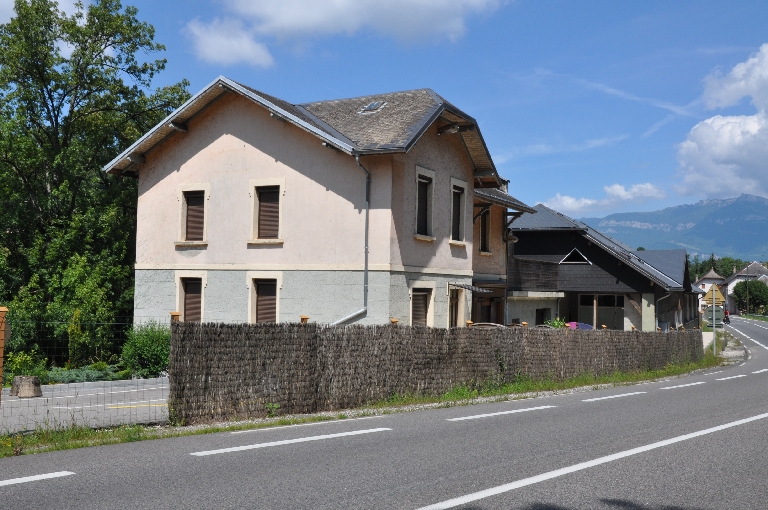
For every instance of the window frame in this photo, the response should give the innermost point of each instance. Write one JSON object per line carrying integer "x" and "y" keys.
{"x": 182, "y": 189}
{"x": 463, "y": 212}
{"x": 430, "y": 235}
{"x": 422, "y": 285}
{"x": 250, "y": 277}
{"x": 253, "y": 185}
{"x": 485, "y": 231}
{"x": 179, "y": 277}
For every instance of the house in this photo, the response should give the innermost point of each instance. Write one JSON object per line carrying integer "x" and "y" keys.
{"x": 705, "y": 283}
{"x": 364, "y": 210}
{"x": 560, "y": 267}
{"x": 754, "y": 271}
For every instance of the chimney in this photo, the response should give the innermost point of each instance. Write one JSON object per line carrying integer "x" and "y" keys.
{"x": 734, "y": 269}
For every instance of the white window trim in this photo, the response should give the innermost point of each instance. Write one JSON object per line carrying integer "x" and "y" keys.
{"x": 192, "y": 186}
{"x": 461, "y": 321}
{"x": 257, "y": 183}
{"x": 262, "y": 275}
{"x": 181, "y": 275}
{"x": 420, "y": 170}
{"x": 463, "y": 220}
{"x": 422, "y": 284}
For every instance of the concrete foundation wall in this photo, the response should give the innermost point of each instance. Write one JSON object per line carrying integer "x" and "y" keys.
{"x": 649, "y": 312}
{"x": 324, "y": 296}
{"x": 525, "y": 308}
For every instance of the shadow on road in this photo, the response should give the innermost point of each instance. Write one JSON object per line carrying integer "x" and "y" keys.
{"x": 607, "y": 504}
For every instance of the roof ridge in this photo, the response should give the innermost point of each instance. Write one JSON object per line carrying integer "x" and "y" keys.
{"x": 424, "y": 89}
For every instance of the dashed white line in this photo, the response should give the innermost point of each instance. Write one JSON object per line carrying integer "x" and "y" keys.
{"x": 748, "y": 338}
{"x": 683, "y": 385}
{"x": 731, "y": 377}
{"x": 614, "y": 396}
{"x": 476, "y": 416}
{"x": 34, "y": 478}
{"x": 713, "y": 373}
{"x": 761, "y": 371}
{"x": 287, "y": 441}
{"x": 463, "y": 500}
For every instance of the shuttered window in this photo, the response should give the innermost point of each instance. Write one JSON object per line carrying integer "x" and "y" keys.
{"x": 419, "y": 307}
{"x": 269, "y": 212}
{"x": 195, "y": 221}
{"x": 423, "y": 212}
{"x": 266, "y": 300}
{"x": 485, "y": 219}
{"x": 193, "y": 299}
{"x": 457, "y": 217}
{"x": 453, "y": 308}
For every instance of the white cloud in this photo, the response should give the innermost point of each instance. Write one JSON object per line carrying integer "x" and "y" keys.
{"x": 404, "y": 20}
{"x": 726, "y": 155}
{"x": 616, "y": 194}
{"x": 227, "y": 42}
{"x": 538, "y": 149}
{"x": 746, "y": 79}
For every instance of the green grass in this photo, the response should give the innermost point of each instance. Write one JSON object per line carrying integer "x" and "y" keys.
{"x": 52, "y": 439}
{"x": 756, "y": 317}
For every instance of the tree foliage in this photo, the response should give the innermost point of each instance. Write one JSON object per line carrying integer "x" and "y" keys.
{"x": 74, "y": 92}
{"x": 723, "y": 266}
{"x": 757, "y": 292}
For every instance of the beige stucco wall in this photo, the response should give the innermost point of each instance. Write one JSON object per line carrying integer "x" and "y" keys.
{"x": 235, "y": 141}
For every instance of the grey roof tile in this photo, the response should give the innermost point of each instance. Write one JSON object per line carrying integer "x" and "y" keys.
{"x": 503, "y": 199}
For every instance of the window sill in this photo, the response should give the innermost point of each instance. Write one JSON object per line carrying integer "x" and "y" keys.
{"x": 428, "y": 239}
{"x": 486, "y": 253}
{"x": 460, "y": 244}
{"x": 191, "y": 244}
{"x": 266, "y": 241}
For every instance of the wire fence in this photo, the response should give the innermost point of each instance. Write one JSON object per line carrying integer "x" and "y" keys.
{"x": 85, "y": 377}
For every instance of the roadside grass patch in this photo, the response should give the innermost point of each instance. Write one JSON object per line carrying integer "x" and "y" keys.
{"x": 46, "y": 439}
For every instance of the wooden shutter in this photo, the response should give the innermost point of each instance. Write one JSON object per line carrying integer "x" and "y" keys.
{"x": 453, "y": 303}
{"x": 420, "y": 307}
{"x": 266, "y": 300}
{"x": 484, "y": 232}
{"x": 422, "y": 214}
{"x": 195, "y": 215}
{"x": 193, "y": 294}
{"x": 458, "y": 195}
{"x": 269, "y": 212}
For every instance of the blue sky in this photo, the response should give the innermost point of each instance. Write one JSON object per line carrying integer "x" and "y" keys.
{"x": 589, "y": 107}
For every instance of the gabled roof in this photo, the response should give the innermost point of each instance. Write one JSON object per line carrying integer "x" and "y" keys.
{"x": 753, "y": 270}
{"x": 664, "y": 267}
{"x": 394, "y": 127}
{"x": 711, "y": 275}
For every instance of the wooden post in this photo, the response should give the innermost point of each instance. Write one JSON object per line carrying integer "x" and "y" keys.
{"x": 394, "y": 321}
{"x": 175, "y": 316}
{"x": 3, "y": 311}
{"x": 469, "y": 324}
{"x": 525, "y": 324}
{"x": 304, "y": 318}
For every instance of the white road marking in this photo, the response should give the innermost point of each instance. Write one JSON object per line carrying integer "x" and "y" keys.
{"x": 463, "y": 500}
{"x": 614, "y": 396}
{"x": 287, "y": 441}
{"x": 34, "y": 478}
{"x": 752, "y": 339}
{"x": 264, "y": 429}
{"x": 731, "y": 377}
{"x": 713, "y": 373}
{"x": 476, "y": 416}
{"x": 761, "y": 371}
{"x": 683, "y": 385}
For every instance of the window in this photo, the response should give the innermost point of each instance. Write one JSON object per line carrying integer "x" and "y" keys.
{"x": 267, "y": 197}
{"x": 193, "y": 294}
{"x": 194, "y": 205}
{"x": 457, "y": 211}
{"x": 453, "y": 308}
{"x": 269, "y": 212}
{"x": 543, "y": 315}
{"x": 420, "y": 299}
{"x": 266, "y": 300}
{"x": 485, "y": 224}
{"x": 424, "y": 190}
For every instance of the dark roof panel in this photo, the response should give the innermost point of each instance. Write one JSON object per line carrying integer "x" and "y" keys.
{"x": 544, "y": 219}
{"x": 499, "y": 197}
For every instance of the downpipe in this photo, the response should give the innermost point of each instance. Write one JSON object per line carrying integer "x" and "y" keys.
{"x": 364, "y": 310}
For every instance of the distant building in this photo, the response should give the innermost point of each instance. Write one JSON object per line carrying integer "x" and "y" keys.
{"x": 705, "y": 283}
{"x": 753, "y": 271}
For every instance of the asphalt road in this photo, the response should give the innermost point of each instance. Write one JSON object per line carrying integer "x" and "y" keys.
{"x": 695, "y": 442}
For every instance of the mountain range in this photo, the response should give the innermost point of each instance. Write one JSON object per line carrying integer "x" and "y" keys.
{"x": 733, "y": 227}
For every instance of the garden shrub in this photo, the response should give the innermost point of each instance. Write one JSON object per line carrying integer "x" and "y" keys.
{"x": 147, "y": 349}
{"x": 24, "y": 363}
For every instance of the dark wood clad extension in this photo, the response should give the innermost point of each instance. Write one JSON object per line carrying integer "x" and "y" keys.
{"x": 420, "y": 307}
{"x": 266, "y": 300}
{"x": 193, "y": 293}
{"x": 195, "y": 215}
{"x": 269, "y": 212}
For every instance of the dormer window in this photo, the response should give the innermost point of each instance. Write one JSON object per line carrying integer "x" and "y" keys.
{"x": 373, "y": 107}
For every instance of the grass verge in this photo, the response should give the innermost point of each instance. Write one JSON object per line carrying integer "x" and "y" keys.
{"x": 46, "y": 440}
{"x": 756, "y": 317}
